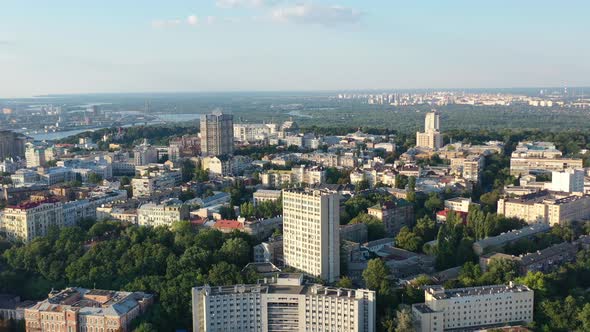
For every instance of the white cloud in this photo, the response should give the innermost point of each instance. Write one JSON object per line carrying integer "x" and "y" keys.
{"x": 210, "y": 20}
{"x": 316, "y": 14}
{"x": 192, "y": 20}
{"x": 244, "y": 3}
{"x": 165, "y": 23}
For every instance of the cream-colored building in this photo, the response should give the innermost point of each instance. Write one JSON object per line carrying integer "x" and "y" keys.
{"x": 217, "y": 165}
{"x": 283, "y": 303}
{"x": 553, "y": 208}
{"x": 164, "y": 214}
{"x": 523, "y": 166}
{"x": 311, "y": 238}
{"x": 262, "y": 195}
{"x": 474, "y": 307}
{"x": 29, "y": 220}
{"x": 296, "y": 176}
{"x": 460, "y": 204}
{"x": 431, "y": 138}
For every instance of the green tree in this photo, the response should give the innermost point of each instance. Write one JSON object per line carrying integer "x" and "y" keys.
{"x": 408, "y": 240}
{"x": 236, "y": 251}
{"x": 247, "y": 210}
{"x": 404, "y": 321}
{"x": 376, "y": 276}
{"x": 344, "y": 282}
{"x": 375, "y": 228}
{"x": 433, "y": 202}
{"x": 94, "y": 178}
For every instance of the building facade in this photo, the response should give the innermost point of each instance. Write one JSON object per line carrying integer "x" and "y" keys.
{"x": 553, "y": 208}
{"x": 164, "y": 214}
{"x": 474, "y": 307}
{"x": 284, "y": 303}
{"x": 394, "y": 215}
{"x": 29, "y": 220}
{"x": 12, "y": 145}
{"x": 85, "y": 310}
{"x": 431, "y": 138}
{"x": 217, "y": 134}
{"x": 311, "y": 238}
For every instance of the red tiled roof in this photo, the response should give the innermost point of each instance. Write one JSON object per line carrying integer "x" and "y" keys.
{"x": 444, "y": 213}
{"x": 232, "y": 224}
{"x": 31, "y": 205}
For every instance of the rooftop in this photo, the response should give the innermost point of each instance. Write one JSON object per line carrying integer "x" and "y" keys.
{"x": 224, "y": 223}
{"x": 440, "y": 293}
{"x": 513, "y": 235}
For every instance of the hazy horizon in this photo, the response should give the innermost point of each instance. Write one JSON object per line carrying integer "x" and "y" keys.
{"x": 67, "y": 47}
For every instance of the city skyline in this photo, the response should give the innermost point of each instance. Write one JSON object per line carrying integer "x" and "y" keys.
{"x": 64, "y": 47}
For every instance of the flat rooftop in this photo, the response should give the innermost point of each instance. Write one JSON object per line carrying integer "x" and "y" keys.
{"x": 440, "y": 293}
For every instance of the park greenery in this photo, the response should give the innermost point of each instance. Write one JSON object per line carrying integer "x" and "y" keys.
{"x": 110, "y": 255}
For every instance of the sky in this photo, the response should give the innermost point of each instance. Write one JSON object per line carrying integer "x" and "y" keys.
{"x": 73, "y": 46}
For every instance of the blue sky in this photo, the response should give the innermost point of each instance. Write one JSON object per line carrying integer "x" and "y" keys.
{"x": 73, "y": 46}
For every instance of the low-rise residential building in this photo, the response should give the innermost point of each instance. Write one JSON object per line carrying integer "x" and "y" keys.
{"x": 270, "y": 251}
{"x": 11, "y": 308}
{"x": 394, "y": 215}
{"x": 284, "y": 303}
{"x": 459, "y": 204}
{"x": 163, "y": 214}
{"x": 546, "y": 260}
{"x": 473, "y": 307}
{"x": 84, "y": 310}
{"x": 498, "y": 242}
{"x": 550, "y": 207}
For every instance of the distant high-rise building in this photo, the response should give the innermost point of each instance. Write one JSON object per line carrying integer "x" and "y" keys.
{"x": 11, "y": 145}
{"x": 432, "y": 122}
{"x": 431, "y": 138}
{"x": 217, "y": 134}
{"x": 36, "y": 155}
{"x": 311, "y": 239}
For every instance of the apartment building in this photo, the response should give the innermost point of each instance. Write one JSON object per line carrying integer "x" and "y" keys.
{"x": 218, "y": 165}
{"x": 570, "y": 181}
{"x": 12, "y": 145}
{"x": 164, "y": 214}
{"x": 283, "y": 303}
{"x": 473, "y": 308}
{"x": 29, "y": 220}
{"x": 254, "y": 132}
{"x": 217, "y": 134}
{"x": 546, "y": 206}
{"x": 85, "y": 310}
{"x": 311, "y": 238}
{"x": 394, "y": 215}
{"x": 523, "y": 166}
{"x": 296, "y": 176}
{"x": 431, "y": 138}
{"x": 148, "y": 185}
{"x": 263, "y": 195}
